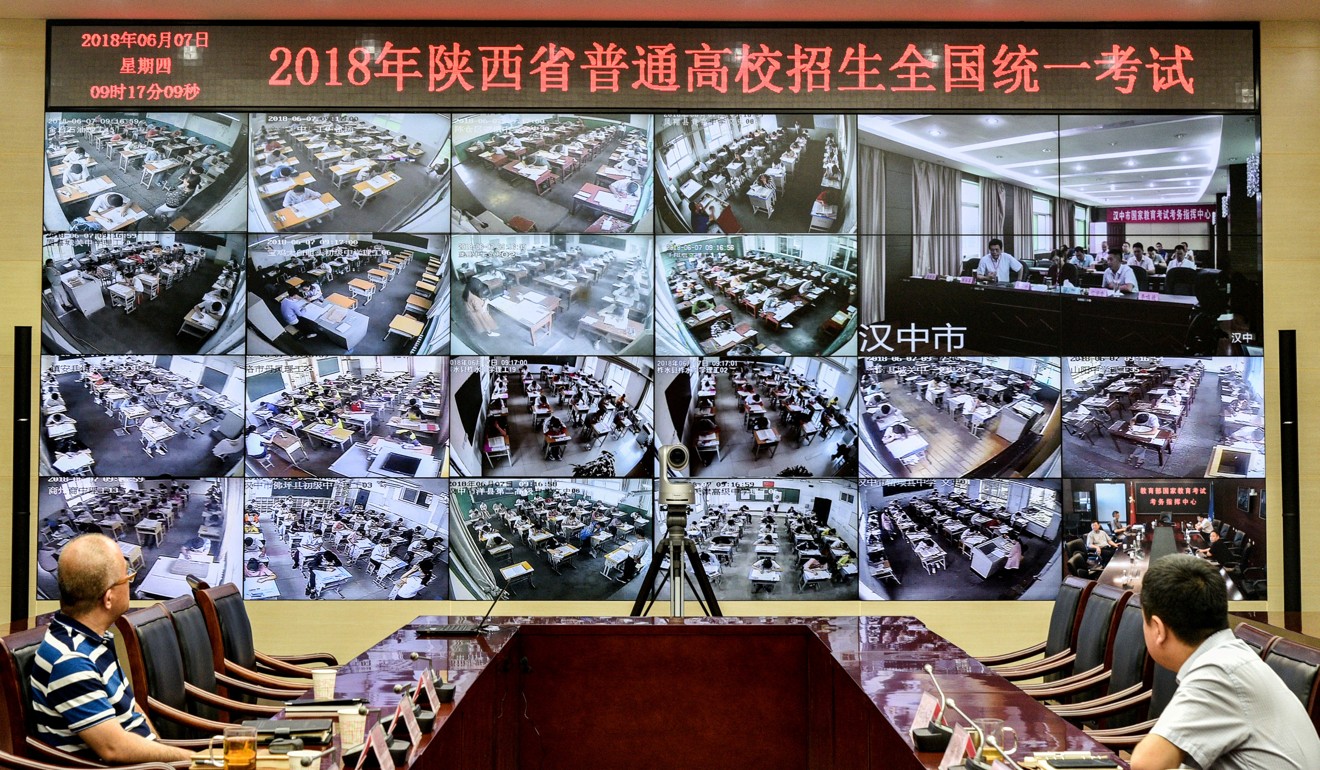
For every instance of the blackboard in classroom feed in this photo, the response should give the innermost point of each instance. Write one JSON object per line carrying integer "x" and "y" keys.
{"x": 765, "y": 495}
{"x": 693, "y": 204}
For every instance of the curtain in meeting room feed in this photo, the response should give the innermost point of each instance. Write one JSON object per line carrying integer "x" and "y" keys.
{"x": 992, "y": 208}
{"x": 1019, "y": 206}
{"x": 467, "y": 567}
{"x": 1065, "y": 211}
{"x": 871, "y": 219}
{"x": 935, "y": 247}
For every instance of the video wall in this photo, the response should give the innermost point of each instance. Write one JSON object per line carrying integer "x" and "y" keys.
{"x": 406, "y": 313}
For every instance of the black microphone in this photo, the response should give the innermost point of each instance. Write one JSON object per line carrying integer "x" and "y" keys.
{"x": 935, "y": 735}
{"x": 307, "y": 761}
{"x": 401, "y": 689}
{"x": 414, "y": 656}
{"x": 971, "y": 763}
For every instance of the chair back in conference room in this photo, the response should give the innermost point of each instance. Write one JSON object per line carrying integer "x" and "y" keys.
{"x": 1299, "y": 667}
{"x": 1142, "y": 280}
{"x": 18, "y": 651}
{"x": 1095, "y": 635}
{"x": 153, "y": 656}
{"x": 1067, "y": 615}
{"x": 1257, "y": 639}
{"x": 1180, "y": 280}
{"x": 195, "y": 644}
{"x": 227, "y": 623}
{"x": 1069, "y": 273}
{"x": 1129, "y": 663}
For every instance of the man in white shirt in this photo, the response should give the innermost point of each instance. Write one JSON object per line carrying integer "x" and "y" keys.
{"x": 998, "y": 265}
{"x": 1119, "y": 276}
{"x": 1180, "y": 259}
{"x": 299, "y": 194}
{"x": 1230, "y": 711}
{"x": 1139, "y": 259}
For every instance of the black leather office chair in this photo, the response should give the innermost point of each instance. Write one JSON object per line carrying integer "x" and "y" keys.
{"x": 1129, "y": 672}
{"x": 1143, "y": 281}
{"x": 1062, "y": 631}
{"x": 1299, "y": 667}
{"x": 17, "y": 652}
{"x": 1257, "y": 639}
{"x": 1181, "y": 281}
{"x": 231, "y": 638}
{"x": 1087, "y": 657}
{"x": 1163, "y": 684}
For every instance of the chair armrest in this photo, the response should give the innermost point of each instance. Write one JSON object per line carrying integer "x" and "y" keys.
{"x": 167, "y": 711}
{"x": 1049, "y": 666}
{"x": 323, "y": 658}
{"x": 8, "y": 760}
{"x": 1069, "y": 686}
{"x": 260, "y": 691}
{"x": 258, "y": 678}
{"x": 1013, "y": 657}
{"x": 266, "y": 664}
{"x": 232, "y": 706}
{"x": 1139, "y": 730}
{"x": 1081, "y": 676}
{"x": 1102, "y": 707}
{"x": 53, "y": 755}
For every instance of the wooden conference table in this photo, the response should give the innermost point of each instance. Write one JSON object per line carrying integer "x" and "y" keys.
{"x": 762, "y": 693}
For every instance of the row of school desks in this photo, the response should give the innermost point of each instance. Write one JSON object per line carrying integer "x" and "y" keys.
{"x": 836, "y": 692}
{"x": 1138, "y": 390}
{"x": 1041, "y": 323}
{"x": 340, "y": 310}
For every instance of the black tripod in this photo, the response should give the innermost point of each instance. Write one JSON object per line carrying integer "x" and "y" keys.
{"x": 674, "y": 545}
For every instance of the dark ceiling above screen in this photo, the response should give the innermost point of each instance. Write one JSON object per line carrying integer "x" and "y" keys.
{"x": 239, "y": 66}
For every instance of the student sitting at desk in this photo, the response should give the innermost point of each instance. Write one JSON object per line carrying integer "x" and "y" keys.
{"x": 152, "y": 423}
{"x": 74, "y": 174}
{"x": 293, "y": 309}
{"x": 625, "y": 188}
{"x": 178, "y": 196}
{"x": 312, "y": 292}
{"x": 298, "y": 194}
{"x": 554, "y": 427}
{"x": 255, "y": 569}
{"x": 256, "y": 443}
{"x": 282, "y": 170}
{"x": 76, "y": 155}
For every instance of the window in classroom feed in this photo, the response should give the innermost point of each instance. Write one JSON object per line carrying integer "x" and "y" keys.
{"x": 791, "y": 416}
{"x": 166, "y": 292}
{"x": 1060, "y": 193}
{"x": 961, "y": 540}
{"x": 996, "y": 416}
{"x": 148, "y": 171}
{"x": 551, "y": 540}
{"x": 748, "y": 295}
{"x": 349, "y": 172}
{"x": 534, "y": 295}
{"x": 562, "y": 173}
{"x": 579, "y": 416}
{"x": 117, "y": 416}
{"x": 374, "y": 417}
{"x": 730, "y": 174}
{"x": 803, "y": 539}
{"x": 168, "y": 530}
{"x": 346, "y": 539}
{"x": 368, "y": 293}
{"x": 1164, "y": 417}
{"x": 1164, "y": 512}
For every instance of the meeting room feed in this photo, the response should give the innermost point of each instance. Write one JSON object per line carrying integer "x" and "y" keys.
{"x": 952, "y": 417}
{"x": 148, "y": 171}
{"x": 547, "y": 416}
{"x": 562, "y": 173}
{"x": 548, "y": 540}
{"x": 377, "y": 293}
{"x": 761, "y": 416}
{"x": 374, "y": 539}
{"x": 336, "y": 172}
{"x": 755, "y": 173}
{"x": 960, "y": 539}
{"x": 347, "y": 416}
{"x": 754, "y": 295}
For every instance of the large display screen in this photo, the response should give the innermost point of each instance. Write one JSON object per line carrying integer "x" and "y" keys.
{"x": 926, "y": 305}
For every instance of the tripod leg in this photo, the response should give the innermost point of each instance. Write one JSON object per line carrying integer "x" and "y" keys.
{"x": 650, "y": 588}
{"x": 699, "y": 570}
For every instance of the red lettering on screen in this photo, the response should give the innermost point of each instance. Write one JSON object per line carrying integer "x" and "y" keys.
{"x": 1016, "y": 70}
{"x": 397, "y": 63}
{"x": 553, "y": 67}
{"x": 501, "y": 67}
{"x": 1120, "y": 65}
{"x": 603, "y": 65}
{"x": 657, "y": 68}
{"x": 811, "y": 66}
{"x": 1168, "y": 70}
{"x": 449, "y": 66}
{"x": 913, "y": 67}
{"x": 860, "y": 62}
{"x": 964, "y": 67}
{"x": 758, "y": 68}
{"x": 707, "y": 69}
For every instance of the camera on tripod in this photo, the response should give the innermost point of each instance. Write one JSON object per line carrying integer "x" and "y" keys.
{"x": 675, "y": 489}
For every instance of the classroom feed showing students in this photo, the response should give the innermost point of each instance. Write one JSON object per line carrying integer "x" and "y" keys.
{"x": 552, "y": 294}
{"x": 757, "y": 295}
{"x": 353, "y": 417}
{"x": 551, "y": 539}
{"x": 736, "y": 174}
{"x": 1163, "y": 416}
{"x": 168, "y": 530}
{"x": 951, "y": 417}
{"x": 339, "y": 172}
{"x": 370, "y": 293}
{"x": 553, "y": 416}
{"x": 166, "y": 292}
{"x": 111, "y": 172}
{"x": 775, "y": 538}
{"x": 346, "y": 539}
{"x": 560, "y": 173}
{"x": 960, "y": 539}
{"x": 101, "y": 414}
{"x": 791, "y": 416}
